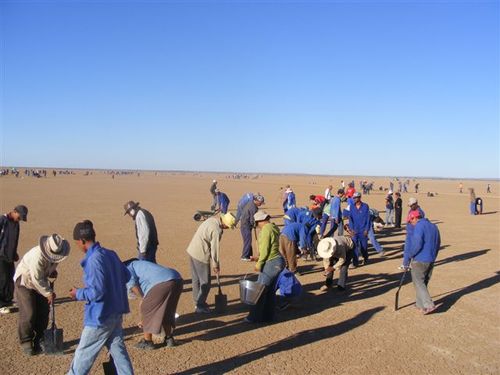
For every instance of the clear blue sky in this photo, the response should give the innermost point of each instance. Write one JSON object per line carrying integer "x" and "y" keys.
{"x": 364, "y": 87}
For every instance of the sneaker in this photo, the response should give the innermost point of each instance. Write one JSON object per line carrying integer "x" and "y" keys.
{"x": 169, "y": 342}
{"x": 202, "y": 310}
{"x": 145, "y": 345}
{"x": 340, "y": 288}
{"x": 5, "y": 310}
{"x": 246, "y": 259}
{"x": 27, "y": 349}
{"x": 382, "y": 254}
{"x": 352, "y": 266}
{"x": 324, "y": 288}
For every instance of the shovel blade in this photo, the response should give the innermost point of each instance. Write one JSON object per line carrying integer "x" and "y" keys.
{"x": 220, "y": 303}
{"x": 54, "y": 342}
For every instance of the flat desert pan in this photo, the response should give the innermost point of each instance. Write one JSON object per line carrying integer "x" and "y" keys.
{"x": 355, "y": 332}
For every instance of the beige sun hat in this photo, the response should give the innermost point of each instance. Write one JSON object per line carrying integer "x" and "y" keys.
{"x": 54, "y": 248}
{"x": 326, "y": 247}
{"x": 261, "y": 215}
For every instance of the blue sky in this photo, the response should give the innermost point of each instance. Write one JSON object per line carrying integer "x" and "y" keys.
{"x": 362, "y": 88}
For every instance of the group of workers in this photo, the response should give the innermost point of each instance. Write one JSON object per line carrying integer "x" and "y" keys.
{"x": 109, "y": 283}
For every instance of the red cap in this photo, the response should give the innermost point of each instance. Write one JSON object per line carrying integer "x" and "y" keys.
{"x": 414, "y": 214}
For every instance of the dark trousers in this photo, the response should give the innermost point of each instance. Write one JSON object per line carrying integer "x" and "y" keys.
{"x": 264, "y": 310}
{"x": 7, "y": 270}
{"x": 246, "y": 233}
{"x": 33, "y": 314}
{"x": 342, "y": 280}
{"x": 398, "y": 214}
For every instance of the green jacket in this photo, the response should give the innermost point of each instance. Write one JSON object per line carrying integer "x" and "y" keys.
{"x": 269, "y": 244}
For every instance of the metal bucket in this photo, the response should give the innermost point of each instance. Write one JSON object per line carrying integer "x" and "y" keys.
{"x": 250, "y": 291}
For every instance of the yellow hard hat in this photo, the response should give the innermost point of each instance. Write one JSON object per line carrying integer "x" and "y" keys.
{"x": 228, "y": 220}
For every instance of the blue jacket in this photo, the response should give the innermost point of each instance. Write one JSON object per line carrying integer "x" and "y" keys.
{"x": 335, "y": 208}
{"x": 425, "y": 243}
{"x": 359, "y": 219}
{"x": 291, "y": 200}
{"x": 247, "y": 197}
{"x": 223, "y": 201}
{"x": 410, "y": 228}
{"x": 296, "y": 232}
{"x": 105, "y": 294}
{"x": 147, "y": 275}
{"x": 292, "y": 215}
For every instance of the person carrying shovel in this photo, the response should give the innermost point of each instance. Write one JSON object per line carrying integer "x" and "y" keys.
{"x": 34, "y": 293}
{"x": 203, "y": 250}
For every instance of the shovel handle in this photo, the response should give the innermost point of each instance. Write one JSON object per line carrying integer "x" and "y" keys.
{"x": 218, "y": 283}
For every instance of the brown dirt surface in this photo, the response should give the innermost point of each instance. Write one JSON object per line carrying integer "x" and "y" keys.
{"x": 356, "y": 332}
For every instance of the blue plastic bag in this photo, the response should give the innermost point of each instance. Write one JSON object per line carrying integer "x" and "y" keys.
{"x": 288, "y": 284}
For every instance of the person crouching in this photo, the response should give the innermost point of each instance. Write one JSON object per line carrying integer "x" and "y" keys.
{"x": 33, "y": 291}
{"x": 159, "y": 289}
{"x": 337, "y": 253}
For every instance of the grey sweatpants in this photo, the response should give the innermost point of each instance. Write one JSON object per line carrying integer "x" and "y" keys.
{"x": 200, "y": 276}
{"x": 420, "y": 275}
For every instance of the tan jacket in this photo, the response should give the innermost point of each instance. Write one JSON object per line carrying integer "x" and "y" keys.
{"x": 34, "y": 270}
{"x": 206, "y": 242}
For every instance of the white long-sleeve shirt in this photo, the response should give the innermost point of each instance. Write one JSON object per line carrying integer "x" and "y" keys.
{"x": 142, "y": 232}
{"x": 34, "y": 270}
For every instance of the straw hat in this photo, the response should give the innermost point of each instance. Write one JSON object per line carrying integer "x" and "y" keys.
{"x": 54, "y": 248}
{"x": 326, "y": 247}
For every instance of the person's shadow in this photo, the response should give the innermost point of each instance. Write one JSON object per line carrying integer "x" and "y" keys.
{"x": 448, "y": 301}
{"x": 297, "y": 340}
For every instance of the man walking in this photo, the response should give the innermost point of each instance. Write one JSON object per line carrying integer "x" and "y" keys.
{"x": 105, "y": 278}
{"x": 204, "y": 250}
{"x": 422, "y": 254}
{"x": 9, "y": 238}
{"x": 247, "y": 223}
{"x": 34, "y": 293}
{"x": 145, "y": 231}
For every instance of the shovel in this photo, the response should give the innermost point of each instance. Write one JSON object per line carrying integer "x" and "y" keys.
{"x": 53, "y": 337}
{"x": 220, "y": 299}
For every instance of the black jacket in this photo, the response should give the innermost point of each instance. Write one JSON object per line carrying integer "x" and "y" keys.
{"x": 9, "y": 238}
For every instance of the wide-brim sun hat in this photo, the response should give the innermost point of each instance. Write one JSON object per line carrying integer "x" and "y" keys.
{"x": 130, "y": 205}
{"x": 228, "y": 220}
{"x": 54, "y": 248}
{"x": 326, "y": 247}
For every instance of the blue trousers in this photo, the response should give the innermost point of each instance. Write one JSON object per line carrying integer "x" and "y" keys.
{"x": 373, "y": 240}
{"x": 91, "y": 342}
{"x": 246, "y": 234}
